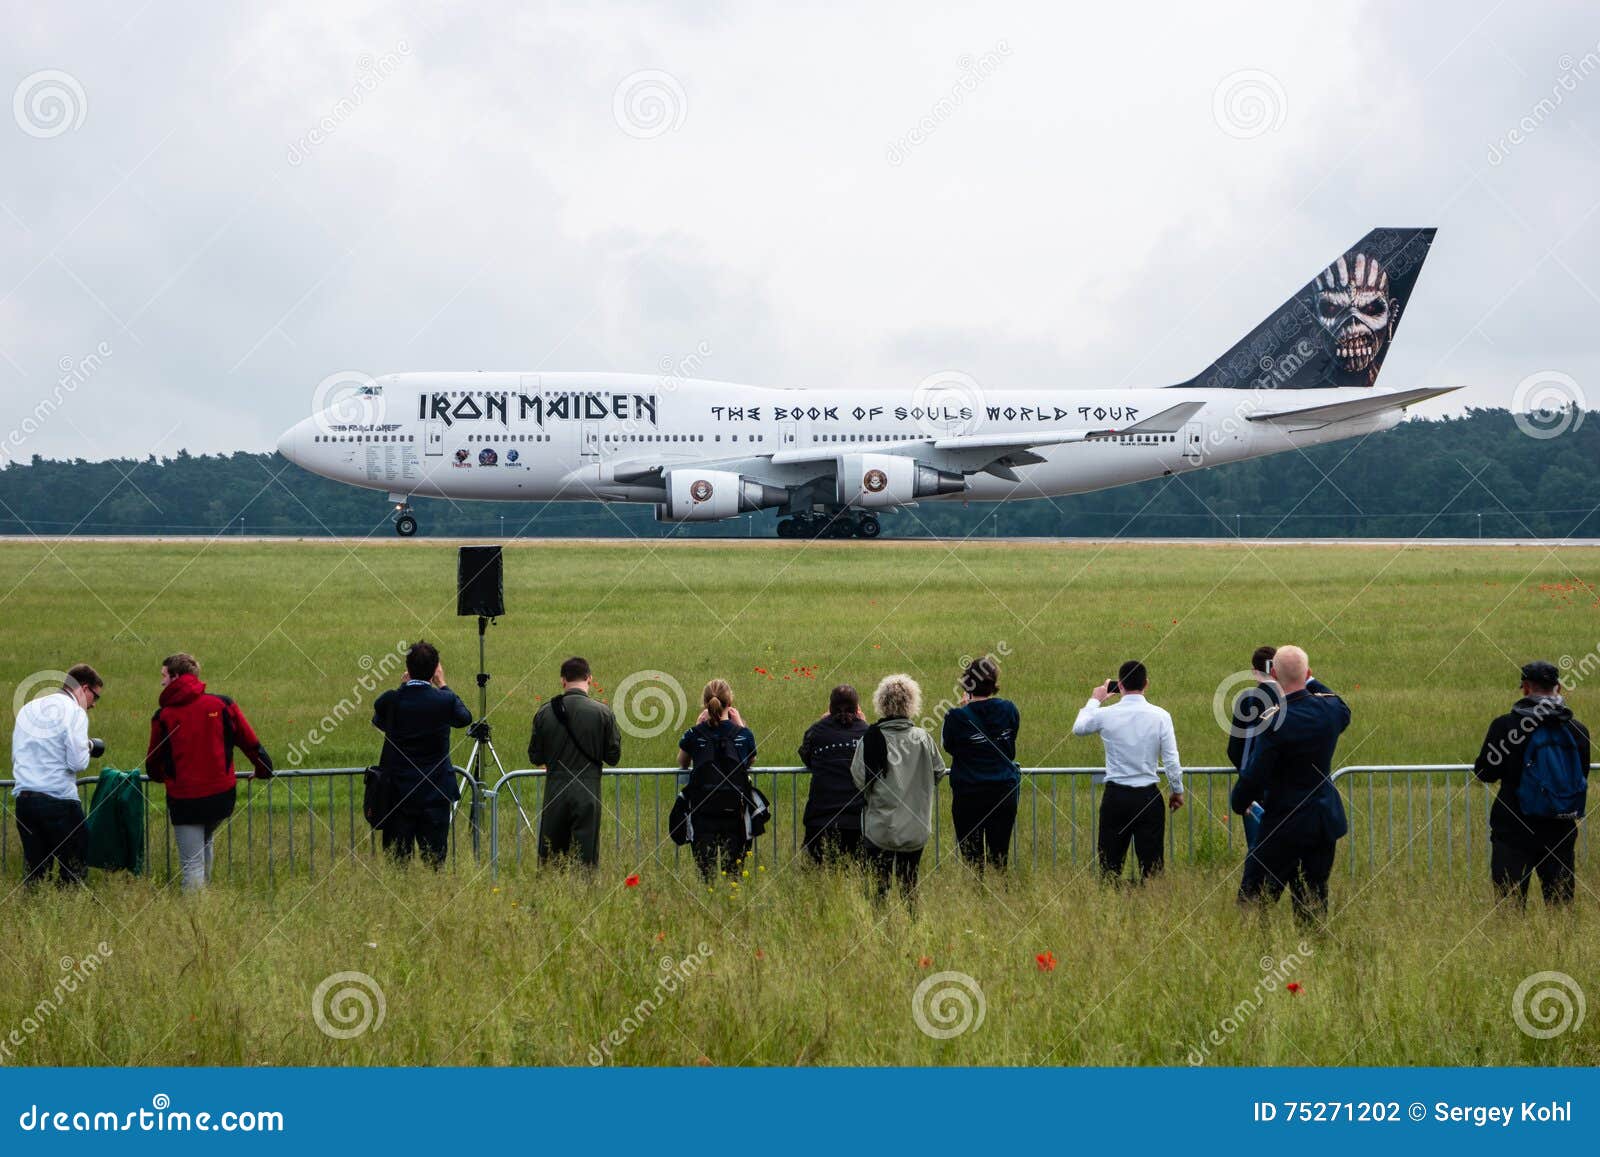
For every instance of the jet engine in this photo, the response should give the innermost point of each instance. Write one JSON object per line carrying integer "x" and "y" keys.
{"x": 708, "y": 495}
{"x": 883, "y": 480}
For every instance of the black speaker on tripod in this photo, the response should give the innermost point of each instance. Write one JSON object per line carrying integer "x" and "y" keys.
{"x": 480, "y": 582}
{"x": 480, "y": 592}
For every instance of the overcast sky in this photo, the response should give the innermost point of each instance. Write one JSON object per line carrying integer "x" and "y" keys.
{"x": 220, "y": 205}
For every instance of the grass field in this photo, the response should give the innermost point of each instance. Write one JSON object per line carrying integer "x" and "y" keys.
{"x": 799, "y": 967}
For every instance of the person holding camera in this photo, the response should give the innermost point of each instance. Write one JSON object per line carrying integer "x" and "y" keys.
{"x": 1290, "y": 772}
{"x": 418, "y": 776}
{"x": 1539, "y": 755}
{"x": 833, "y": 807}
{"x": 897, "y": 767}
{"x": 718, "y": 752}
{"x": 1139, "y": 739}
{"x": 50, "y": 745}
{"x": 193, "y": 734}
{"x": 573, "y": 736}
{"x": 981, "y": 736}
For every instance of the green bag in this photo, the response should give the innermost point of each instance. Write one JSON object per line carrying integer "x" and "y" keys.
{"x": 116, "y": 822}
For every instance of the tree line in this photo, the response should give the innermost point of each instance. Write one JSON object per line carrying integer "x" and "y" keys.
{"x": 1459, "y": 477}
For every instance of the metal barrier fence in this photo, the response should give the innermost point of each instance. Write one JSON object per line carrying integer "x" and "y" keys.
{"x": 287, "y": 823}
{"x": 1430, "y": 815}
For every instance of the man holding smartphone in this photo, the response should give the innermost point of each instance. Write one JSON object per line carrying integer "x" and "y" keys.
{"x": 1140, "y": 742}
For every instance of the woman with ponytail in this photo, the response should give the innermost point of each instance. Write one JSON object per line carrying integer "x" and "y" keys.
{"x": 833, "y": 808}
{"x": 718, "y": 752}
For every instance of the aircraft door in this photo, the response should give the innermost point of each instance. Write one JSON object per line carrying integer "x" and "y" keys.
{"x": 1194, "y": 435}
{"x": 589, "y": 446}
{"x": 433, "y": 437}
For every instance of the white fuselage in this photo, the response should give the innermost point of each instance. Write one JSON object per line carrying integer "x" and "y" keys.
{"x": 588, "y": 437}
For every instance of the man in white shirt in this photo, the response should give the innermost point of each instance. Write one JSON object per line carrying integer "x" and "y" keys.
{"x": 50, "y": 745}
{"x": 1139, "y": 738}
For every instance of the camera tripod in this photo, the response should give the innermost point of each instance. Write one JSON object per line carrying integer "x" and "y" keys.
{"x": 482, "y": 734}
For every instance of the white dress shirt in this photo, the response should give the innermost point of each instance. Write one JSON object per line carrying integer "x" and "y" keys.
{"x": 50, "y": 746}
{"x": 1137, "y": 734}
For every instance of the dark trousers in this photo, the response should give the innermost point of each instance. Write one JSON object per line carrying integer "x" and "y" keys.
{"x": 1136, "y": 815}
{"x": 719, "y": 843}
{"x": 54, "y": 835}
{"x": 887, "y": 867}
{"x": 1513, "y": 862}
{"x": 1302, "y": 866}
{"x": 833, "y": 844}
{"x": 415, "y": 825}
{"x": 984, "y": 815}
{"x": 569, "y": 824}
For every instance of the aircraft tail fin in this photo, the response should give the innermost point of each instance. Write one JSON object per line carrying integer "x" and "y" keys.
{"x": 1337, "y": 329}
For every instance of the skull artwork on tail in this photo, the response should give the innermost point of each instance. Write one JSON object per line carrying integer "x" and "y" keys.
{"x": 1356, "y": 313}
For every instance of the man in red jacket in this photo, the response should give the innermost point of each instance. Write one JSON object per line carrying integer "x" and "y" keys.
{"x": 192, "y": 737}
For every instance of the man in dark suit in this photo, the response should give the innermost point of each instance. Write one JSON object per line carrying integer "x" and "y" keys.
{"x": 419, "y": 776}
{"x": 1290, "y": 771}
{"x": 1250, "y": 718}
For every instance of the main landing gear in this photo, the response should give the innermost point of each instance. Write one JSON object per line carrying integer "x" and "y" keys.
{"x": 405, "y": 523}
{"x": 838, "y": 524}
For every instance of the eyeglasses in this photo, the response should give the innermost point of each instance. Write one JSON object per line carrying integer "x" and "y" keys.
{"x": 95, "y": 691}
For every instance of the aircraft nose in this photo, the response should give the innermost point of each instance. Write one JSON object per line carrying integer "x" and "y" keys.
{"x": 291, "y": 441}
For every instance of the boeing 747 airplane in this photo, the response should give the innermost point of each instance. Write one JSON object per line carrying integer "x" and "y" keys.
{"x": 831, "y": 460}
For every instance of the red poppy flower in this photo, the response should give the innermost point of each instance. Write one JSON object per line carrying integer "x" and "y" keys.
{"x": 1046, "y": 961}
{"x": 1294, "y": 987}
{"x": 760, "y": 955}
{"x": 660, "y": 936}
{"x": 925, "y": 962}
{"x": 632, "y": 881}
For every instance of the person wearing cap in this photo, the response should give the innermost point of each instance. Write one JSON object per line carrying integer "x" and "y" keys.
{"x": 1539, "y": 755}
{"x": 1290, "y": 772}
{"x": 50, "y": 745}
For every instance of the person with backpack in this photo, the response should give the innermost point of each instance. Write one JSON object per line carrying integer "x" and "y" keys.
{"x": 981, "y": 736}
{"x": 1539, "y": 755}
{"x": 897, "y": 767}
{"x": 720, "y": 804}
{"x": 417, "y": 776}
{"x": 833, "y": 807}
{"x": 573, "y": 736}
{"x": 193, "y": 735}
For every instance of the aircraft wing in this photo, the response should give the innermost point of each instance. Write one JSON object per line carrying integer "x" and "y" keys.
{"x": 1313, "y": 416}
{"x": 995, "y": 453}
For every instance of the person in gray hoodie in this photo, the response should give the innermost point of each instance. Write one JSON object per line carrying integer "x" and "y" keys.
{"x": 897, "y": 767}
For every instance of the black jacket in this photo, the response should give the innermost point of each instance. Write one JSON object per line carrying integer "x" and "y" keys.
{"x": 982, "y": 741}
{"x": 1248, "y": 708}
{"x": 416, "y": 719}
{"x": 1291, "y": 766}
{"x": 827, "y": 750}
{"x": 1500, "y": 761}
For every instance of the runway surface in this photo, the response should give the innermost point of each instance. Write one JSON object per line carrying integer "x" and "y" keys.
{"x": 389, "y": 539}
